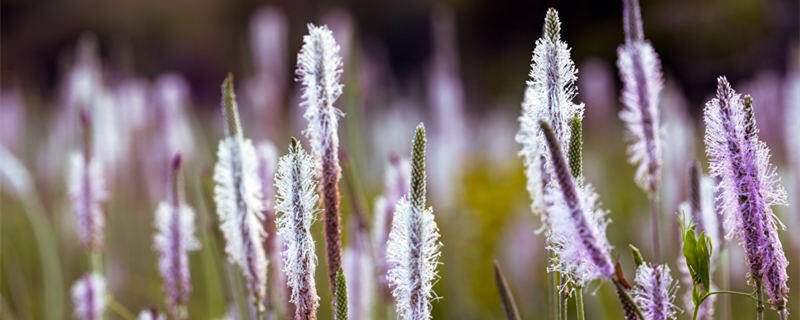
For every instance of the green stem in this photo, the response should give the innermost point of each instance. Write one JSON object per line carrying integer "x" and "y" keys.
{"x": 48, "y": 254}
{"x": 737, "y": 293}
{"x": 759, "y": 302}
{"x": 579, "y": 302}
{"x": 563, "y": 299}
{"x": 118, "y": 308}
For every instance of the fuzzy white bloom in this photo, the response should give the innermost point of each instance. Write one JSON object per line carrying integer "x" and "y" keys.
{"x": 580, "y": 259}
{"x": 319, "y": 67}
{"x": 175, "y": 238}
{"x": 87, "y": 192}
{"x": 238, "y": 197}
{"x": 654, "y": 292}
{"x": 150, "y": 314}
{"x": 89, "y": 297}
{"x": 640, "y": 71}
{"x": 548, "y": 96}
{"x": 295, "y": 203}
{"x": 413, "y": 251}
{"x": 396, "y": 181}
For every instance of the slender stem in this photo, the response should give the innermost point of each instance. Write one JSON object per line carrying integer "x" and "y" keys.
{"x": 579, "y": 302}
{"x": 737, "y": 293}
{"x": 557, "y": 295}
{"x": 759, "y": 302}
{"x": 654, "y": 227}
{"x": 564, "y": 297}
{"x": 624, "y": 294}
{"x": 118, "y": 308}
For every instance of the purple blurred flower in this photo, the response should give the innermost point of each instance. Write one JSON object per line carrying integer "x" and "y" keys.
{"x": 265, "y": 90}
{"x": 640, "y": 71}
{"x": 87, "y": 190}
{"x": 174, "y": 221}
{"x": 748, "y": 187}
{"x": 89, "y": 297}
{"x": 597, "y": 89}
{"x": 654, "y": 292}
{"x": 359, "y": 268}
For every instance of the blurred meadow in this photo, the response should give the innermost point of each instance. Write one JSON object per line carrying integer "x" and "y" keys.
{"x": 153, "y": 68}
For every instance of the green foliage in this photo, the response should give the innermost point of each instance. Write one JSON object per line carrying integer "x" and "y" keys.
{"x": 697, "y": 251}
{"x": 340, "y": 297}
{"x": 575, "y": 151}
{"x": 637, "y": 255}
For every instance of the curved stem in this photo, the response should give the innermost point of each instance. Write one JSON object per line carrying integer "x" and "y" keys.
{"x": 48, "y": 253}
{"x": 118, "y": 308}
{"x": 737, "y": 293}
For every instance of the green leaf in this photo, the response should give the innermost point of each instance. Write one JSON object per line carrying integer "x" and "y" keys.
{"x": 697, "y": 251}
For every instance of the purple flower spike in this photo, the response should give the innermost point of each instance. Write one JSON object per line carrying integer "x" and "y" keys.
{"x": 89, "y": 296}
{"x": 655, "y": 292}
{"x": 576, "y": 226}
{"x": 87, "y": 191}
{"x": 640, "y": 70}
{"x": 174, "y": 239}
{"x": 748, "y": 187}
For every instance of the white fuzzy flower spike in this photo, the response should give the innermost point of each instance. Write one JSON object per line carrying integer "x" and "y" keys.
{"x": 238, "y": 197}
{"x": 654, "y": 292}
{"x": 413, "y": 249}
{"x": 549, "y": 96}
{"x": 89, "y": 297}
{"x": 296, "y": 198}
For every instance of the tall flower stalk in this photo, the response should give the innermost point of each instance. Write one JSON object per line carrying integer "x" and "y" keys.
{"x": 748, "y": 189}
{"x": 548, "y": 96}
{"x": 414, "y": 248}
{"x": 576, "y": 226}
{"x": 296, "y": 199}
{"x": 319, "y": 67}
{"x": 267, "y": 166}
{"x": 640, "y": 71}
{"x": 173, "y": 241}
{"x": 237, "y": 194}
{"x": 87, "y": 190}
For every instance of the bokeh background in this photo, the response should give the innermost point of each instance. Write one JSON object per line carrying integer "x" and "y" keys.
{"x": 459, "y": 66}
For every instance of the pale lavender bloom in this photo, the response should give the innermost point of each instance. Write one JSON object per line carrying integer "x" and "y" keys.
{"x": 265, "y": 90}
{"x": 445, "y": 95}
{"x": 296, "y": 200}
{"x": 89, "y": 297}
{"x": 267, "y": 166}
{"x": 748, "y": 187}
{"x": 171, "y": 130}
{"x": 12, "y": 118}
{"x": 150, "y": 314}
{"x": 640, "y": 71}
{"x": 396, "y": 182}
{"x": 654, "y": 292}
{"x": 548, "y": 96}
{"x": 174, "y": 220}
{"x": 237, "y": 194}
{"x": 359, "y": 268}
{"x": 576, "y": 226}
{"x": 87, "y": 191}
{"x": 131, "y": 98}
{"x": 679, "y": 145}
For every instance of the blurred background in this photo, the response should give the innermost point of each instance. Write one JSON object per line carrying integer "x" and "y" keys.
{"x": 150, "y": 71}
